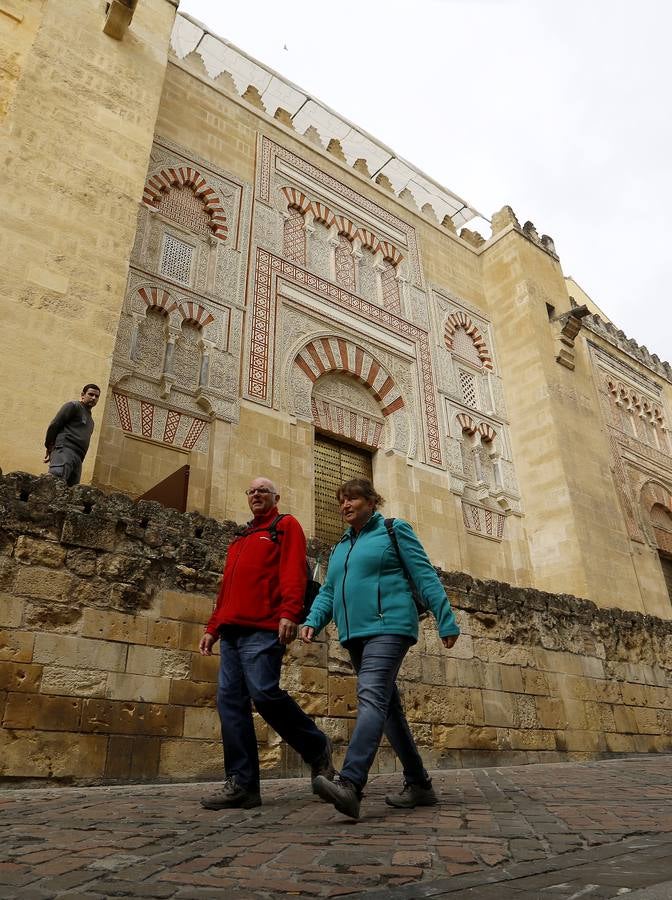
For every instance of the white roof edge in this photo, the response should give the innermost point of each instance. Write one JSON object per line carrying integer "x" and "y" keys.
{"x": 393, "y": 155}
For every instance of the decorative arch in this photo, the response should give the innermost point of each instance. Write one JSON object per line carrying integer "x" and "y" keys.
{"x": 466, "y": 423}
{"x": 322, "y": 213}
{"x": 329, "y": 354}
{"x": 157, "y": 298}
{"x": 346, "y": 227}
{"x": 487, "y": 432}
{"x": 296, "y": 199}
{"x": 655, "y": 494}
{"x": 390, "y": 253}
{"x": 194, "y": 312}
{"x": 462, "y": 320}
{"x": 368, "y": 239}
{"x": 185, "y": 176}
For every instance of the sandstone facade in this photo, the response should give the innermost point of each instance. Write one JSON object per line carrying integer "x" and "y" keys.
{"x": 247, "y": 274}
{"x": 261, "y": 287}
{"x": 103, "y": 602}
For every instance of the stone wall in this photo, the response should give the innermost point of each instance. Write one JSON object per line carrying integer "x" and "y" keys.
{"x": 102, "y": 603}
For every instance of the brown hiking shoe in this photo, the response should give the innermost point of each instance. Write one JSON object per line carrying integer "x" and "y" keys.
{"x": 232, "y": 796}
{"x": 323, "y": 765}
{"x": 343, "y": 794}
{"x": 412, "y": 795}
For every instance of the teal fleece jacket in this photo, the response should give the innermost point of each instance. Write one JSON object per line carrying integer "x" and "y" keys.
{"x": 366, "y": 592}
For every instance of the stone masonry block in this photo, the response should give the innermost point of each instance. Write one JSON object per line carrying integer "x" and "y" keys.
{"x": 530, "y": 739}
{"x": 11, "y": 611}
{"x": 20, "y": 677}
{"x": 89, "y": 531}
{"x": 122, "y": 686}
{"x": 186, "y": 607}
{"x": 182, "y": 759}
{"x": 132, "y": 758}
{"x": 312, "y": 704}
{"x": 308, "y": 679}
{"x": 192, "y": 693}
{"x": 50, "y": 754}
{"x": 81, "y": 562}
{"x": 605, "y": 691}
{"x": 512, "y": 679}
{"x": 163, "y": 634}
{"x": 498, "y": 708}
{"x": 647, "y": 720}
{"x": 534, "y": 682}
{"x": 458, "y": 737}
{"x": 41, "y": 553}
{"x": 202, "y": 723}
{"x": 16, "y": 646}
{"x": 620, "y": 743}
{"x": 204, "y": 668}
{"x": 190, "y": 635}
{"x": 342, "y": 696}
{"x": 440, "y": 705}
{"x": 634, "y": 694}
{"x": 157, "y": 661}
{"x": 74, "y": 682}
{"x": 128, "y": 717}
{"x": 42, "y": 712}
{"x": 47, "y": 584}
{"x": 584, "y": 741}
{"x": 109, "y": 625}
{"x": 79, "y": 652}
{"x": 551, "y": 713}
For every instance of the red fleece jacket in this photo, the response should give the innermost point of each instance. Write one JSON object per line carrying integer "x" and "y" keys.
{"x": 264, "y": 581}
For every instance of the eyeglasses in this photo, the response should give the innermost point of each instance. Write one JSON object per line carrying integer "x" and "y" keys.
{"x": 251, "y": 491}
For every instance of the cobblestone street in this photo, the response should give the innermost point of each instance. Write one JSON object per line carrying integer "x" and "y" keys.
{"x": 575, "y": 830}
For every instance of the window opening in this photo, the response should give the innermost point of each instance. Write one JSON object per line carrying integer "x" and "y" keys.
{"x": 468, "y": 388}
{"x": 176, "y": 260}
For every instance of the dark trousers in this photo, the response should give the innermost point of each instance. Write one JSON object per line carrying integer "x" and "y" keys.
{"x": 377, "y": 661}
{"x": 66, "y": 464}
{"x": 249, "y": 672}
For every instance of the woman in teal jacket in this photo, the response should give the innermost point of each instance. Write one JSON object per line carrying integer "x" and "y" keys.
{"x": 367, "y": 594}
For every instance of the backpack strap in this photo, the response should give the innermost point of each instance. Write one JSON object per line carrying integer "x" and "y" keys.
{"x": 272, "y": 529}
{"x": 415, "y": 593}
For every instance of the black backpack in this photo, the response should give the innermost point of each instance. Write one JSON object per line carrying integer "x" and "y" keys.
{"x": 312, "y": 586}
{"x": 418, "y": 599}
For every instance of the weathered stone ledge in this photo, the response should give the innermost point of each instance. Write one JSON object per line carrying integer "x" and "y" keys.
{"x": 103, "y": 601}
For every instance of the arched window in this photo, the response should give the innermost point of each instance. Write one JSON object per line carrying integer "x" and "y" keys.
{"x": 464, "y": 347}
{"x": 181, "y": 205}
{"x": 389, "y": 287}
{"x": 344, "y": 263}
{"x": 294, "y": 237}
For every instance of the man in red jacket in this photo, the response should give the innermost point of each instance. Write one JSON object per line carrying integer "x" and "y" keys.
{"x": 257, "y": 614}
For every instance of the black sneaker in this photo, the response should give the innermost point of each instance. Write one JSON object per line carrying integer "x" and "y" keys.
{"x": 343, "y": 794}
{"x": 323, "y": 765}
{"x": 413, "y": 795}
{"x": 232, "y": 796}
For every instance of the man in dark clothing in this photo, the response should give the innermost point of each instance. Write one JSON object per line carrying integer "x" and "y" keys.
{"x": 69, "y": 434}
{"x": 257, "y": 614}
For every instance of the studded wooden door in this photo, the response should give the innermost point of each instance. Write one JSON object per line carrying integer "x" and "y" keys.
{"x": 334, "y": 464}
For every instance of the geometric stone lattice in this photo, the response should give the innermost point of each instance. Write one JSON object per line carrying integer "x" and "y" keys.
{"x": 176, "y": 260}
{"x": 339, "y": 420}
{"x": 482, "y": 521}
{"x": 156, "y": 423}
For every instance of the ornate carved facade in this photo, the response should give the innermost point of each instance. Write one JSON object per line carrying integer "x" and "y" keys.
{"x": 293, "y": 285}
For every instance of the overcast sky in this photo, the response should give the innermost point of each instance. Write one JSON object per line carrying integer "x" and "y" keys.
{"x": 559, "y": 108}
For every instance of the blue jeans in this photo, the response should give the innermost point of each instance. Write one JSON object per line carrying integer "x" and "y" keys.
{"x": 249, "y": 672}
{"x": 377, "y": 661}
